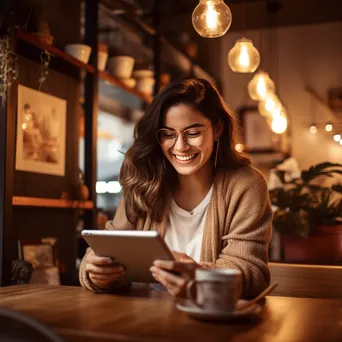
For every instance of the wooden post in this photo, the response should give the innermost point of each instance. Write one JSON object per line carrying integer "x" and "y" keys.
{"x": 8, "y": 239}
{"x": 156, "y": 45}
{"x": 91, "y": 112}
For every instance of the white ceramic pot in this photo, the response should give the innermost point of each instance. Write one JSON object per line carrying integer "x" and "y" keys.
{"x": 145, "y": 85}
{"x": 102, "y": 60}
{"x": 121, "y": 66}
{"x": 79, "y": 51}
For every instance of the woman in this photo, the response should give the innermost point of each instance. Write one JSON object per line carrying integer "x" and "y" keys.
{"x": 183, "y": 177}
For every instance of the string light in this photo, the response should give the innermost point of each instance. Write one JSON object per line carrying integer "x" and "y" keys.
{"x": 337, "y": 137}
{"x": 313, "y": 129}
{"x": 211, "y": 18}
{"x": 329, "y": 127}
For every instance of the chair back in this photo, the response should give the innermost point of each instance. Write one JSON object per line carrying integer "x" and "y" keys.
{"x": 16, "y": 326}
{"x": 312, "y": 281}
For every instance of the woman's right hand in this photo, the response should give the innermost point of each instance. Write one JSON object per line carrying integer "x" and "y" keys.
{"x": 102, "y": 271}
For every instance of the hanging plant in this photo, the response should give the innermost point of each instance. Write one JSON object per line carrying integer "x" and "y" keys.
{"x": 8, "y": 67}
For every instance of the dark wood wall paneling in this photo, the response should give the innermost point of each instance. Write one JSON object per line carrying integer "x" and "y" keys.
{"x": 33, "y": 223}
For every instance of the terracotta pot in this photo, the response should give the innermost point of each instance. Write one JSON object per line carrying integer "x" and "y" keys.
{"x": 325, "y": 244}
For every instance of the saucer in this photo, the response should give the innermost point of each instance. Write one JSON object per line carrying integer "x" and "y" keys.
{"x": 194, "y": 311}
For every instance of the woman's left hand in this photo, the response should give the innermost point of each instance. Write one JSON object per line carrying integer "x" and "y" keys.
{"x": 184, "y": 266}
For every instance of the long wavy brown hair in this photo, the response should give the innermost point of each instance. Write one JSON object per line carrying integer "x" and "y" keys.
{"x": 146, "y": 175}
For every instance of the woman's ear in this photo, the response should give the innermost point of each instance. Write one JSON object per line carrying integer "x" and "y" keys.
{"x": 218, "y": 130}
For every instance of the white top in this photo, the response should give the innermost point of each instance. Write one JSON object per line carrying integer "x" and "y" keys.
{"x": 184, "y": 228}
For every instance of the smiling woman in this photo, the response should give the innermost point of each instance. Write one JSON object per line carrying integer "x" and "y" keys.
{"x": 183, "y": 177}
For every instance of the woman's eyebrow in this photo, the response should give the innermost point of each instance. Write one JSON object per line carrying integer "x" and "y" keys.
{"x": 191, "y": 126}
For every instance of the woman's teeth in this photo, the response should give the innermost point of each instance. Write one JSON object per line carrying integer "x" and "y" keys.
{"x": 184, "y": 158}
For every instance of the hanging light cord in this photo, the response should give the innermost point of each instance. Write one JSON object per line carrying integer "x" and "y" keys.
{"x": 244, "y": 17}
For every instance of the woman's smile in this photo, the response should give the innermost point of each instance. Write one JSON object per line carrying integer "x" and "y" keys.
{"x": 185, "y": 158}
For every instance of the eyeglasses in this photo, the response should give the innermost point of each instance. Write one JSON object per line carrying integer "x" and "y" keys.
{"x": 192, "y": 136}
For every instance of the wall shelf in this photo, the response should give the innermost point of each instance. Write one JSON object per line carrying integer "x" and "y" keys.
{"x": 50, "y": 203}
{"x": 34, "y": 41}
{"x": 31, "y": 39}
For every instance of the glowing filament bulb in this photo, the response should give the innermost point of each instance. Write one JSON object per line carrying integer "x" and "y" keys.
{"x": 261, "y": 88}
{"x": 244, "y": 58}
{"x": 211, "y": 17}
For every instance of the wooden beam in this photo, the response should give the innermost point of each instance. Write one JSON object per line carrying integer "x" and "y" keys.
{"x": 91, "y": 112}
{"x": 8, "y": 238}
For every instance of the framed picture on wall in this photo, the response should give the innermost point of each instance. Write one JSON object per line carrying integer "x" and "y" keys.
{"x": 257, "y": 135}
{"x": 41, "y": 132}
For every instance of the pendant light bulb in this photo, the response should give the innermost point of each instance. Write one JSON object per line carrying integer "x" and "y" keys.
{"x": 243, "y": 57}
{"x": 260, "y": 86}
{"x": 211, "y": 18}
{"x": 279, "y": 121}
{"x": 270, "y": 105}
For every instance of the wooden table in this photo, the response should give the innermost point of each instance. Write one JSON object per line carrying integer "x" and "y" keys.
{"x": 79, "y": 315}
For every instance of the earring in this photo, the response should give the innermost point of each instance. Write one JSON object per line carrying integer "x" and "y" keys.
{"x": 217, "y": 151}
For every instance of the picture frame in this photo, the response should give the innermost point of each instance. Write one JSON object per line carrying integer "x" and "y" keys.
{"x": 41, "y": 132}
{"x": 42, "y": 255}
{"x": 257, "y": 136}
{"x": 39, "y": 254}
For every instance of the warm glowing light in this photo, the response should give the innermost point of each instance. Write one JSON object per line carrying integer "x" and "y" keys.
{"x": 313, "y": 129}
{"x": 211, "y": 18}
{"x": 337, "y": 137}
{"x": 239, "y": 147}
{"x": 243, "y": 57}
{"x": 329, "y": 127}
{"x": 270, "y": 105}
{"x": 24, "y": 125}
{"x": 341, "y": 142}
{"x": 279, "y": 122}
{"x": 260, "y": 86}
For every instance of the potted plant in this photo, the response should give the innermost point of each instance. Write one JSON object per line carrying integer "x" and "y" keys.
{"x": 308, "y": 214}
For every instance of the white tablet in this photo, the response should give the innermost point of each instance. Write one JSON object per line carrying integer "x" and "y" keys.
{"x": 134, "y": 249}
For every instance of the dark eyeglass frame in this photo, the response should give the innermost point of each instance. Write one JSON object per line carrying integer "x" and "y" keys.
{"x": 183, "y": 133}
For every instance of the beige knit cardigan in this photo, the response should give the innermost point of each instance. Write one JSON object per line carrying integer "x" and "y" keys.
{"x": 237, "y": 229}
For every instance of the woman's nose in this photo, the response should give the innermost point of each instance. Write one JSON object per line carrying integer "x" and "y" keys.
{"x": 181, "y": 144}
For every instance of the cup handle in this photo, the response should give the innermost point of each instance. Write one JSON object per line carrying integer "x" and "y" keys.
{"x": 189, "y": 294}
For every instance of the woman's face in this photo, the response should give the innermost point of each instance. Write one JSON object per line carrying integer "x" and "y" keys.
{"x": 187, "y": 157}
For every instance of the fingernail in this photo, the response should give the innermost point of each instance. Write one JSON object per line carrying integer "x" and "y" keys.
{"x": 156, "y": 262}
{"x": 109, "y": 260}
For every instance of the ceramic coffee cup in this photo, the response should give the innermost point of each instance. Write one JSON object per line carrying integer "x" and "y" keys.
{"x": 216, "y": 289}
